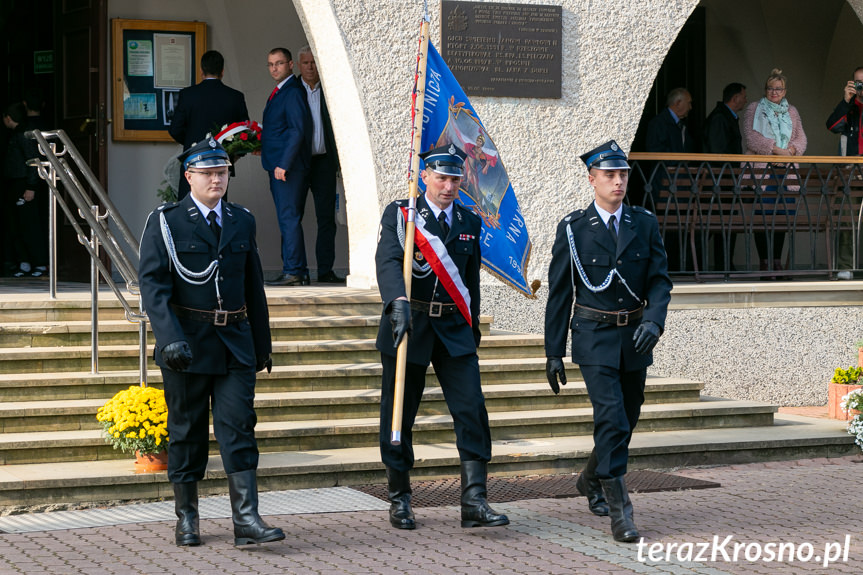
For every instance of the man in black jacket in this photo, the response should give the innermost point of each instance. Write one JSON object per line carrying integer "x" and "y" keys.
{"x": 611, "y": 257}
{"x": 722, "y": 136}
{"x": 204, "y": 108}
{"x": 203, "y": 289}
{"x": 442, "y": 322}
{"x": 722, "y": 128}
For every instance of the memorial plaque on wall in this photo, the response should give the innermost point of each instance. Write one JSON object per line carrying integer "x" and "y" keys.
{"x": 503, "y": 49}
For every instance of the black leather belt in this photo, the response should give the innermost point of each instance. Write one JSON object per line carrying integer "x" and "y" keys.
{"x": 434, "y": 308}
{"x": 216, "y": 317}
{"x": 618, "y": 318}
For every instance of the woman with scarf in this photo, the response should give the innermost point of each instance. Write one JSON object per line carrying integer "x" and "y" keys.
{"x": 772, "y": 126}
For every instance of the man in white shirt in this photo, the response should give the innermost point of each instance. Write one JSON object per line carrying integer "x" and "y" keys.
{"x": 324, "y": 166}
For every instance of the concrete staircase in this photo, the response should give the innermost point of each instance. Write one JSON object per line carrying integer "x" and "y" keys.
{"x": 317, "y": 410}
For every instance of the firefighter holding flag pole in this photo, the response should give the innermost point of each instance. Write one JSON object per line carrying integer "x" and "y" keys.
{"x": 428, "y": 260}
{"x": 440, "y": 322}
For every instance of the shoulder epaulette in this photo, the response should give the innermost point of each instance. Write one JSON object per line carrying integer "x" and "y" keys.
{"x": 571, "y": 217}
{"x": 238, "y": 206}
{"x": 640, "y": 210}
{"x": 167, "y": 206}
{"x": 468, "y": 212}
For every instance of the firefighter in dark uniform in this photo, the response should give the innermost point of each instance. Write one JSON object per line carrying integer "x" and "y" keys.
{"x": 202, "y": 287}
{"x": 611, "y": 257}
{"x": 443, "y": 328}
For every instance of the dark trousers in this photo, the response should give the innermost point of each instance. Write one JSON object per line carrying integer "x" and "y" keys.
{"x": 189, "y": 396}
{"x": 459, "y": 379}
{"x": 322, "y": 180}
{"x": 289, "y": 198}
{"x": 617, "y": 397}
{"x": 25, "y": 226}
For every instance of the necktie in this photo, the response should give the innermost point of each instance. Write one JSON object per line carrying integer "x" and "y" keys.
{"x": 682, "y": 127}
{"x": 273, "y": 93}
{"x": 443, "y": 225}
{"x": 214, "y": 226}
{"x": 611, "y": 229}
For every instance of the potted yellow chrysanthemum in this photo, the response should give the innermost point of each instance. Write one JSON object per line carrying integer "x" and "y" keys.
{"x": 136, "y": 420}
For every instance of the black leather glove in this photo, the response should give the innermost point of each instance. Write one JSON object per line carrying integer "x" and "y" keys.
{"x": 177, "y": 355}
{"x": 263, "y": 361}
{"x": 554, "y": 370}
{"x": 645, "y": 337}
{"x": 400, "y": 318}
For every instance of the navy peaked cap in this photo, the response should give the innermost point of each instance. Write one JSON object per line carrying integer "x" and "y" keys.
{"x": 447, "y": 160}
{"x": 608, "y": 156}
{"x": 207, "y": 153}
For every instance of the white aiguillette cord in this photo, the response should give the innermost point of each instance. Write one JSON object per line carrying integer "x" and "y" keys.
{"x": 583, "y": 275}
{"x": 190, "y": 277}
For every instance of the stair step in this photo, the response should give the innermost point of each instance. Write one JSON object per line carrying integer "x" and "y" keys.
{"x": 122, "y": 332}
{"x": 295, "y": 302}
{"x": 284, "y": 378}
{"x": 125, "y": 357}
{"x": 79, "y": 414}
{"x": 364, "y": 432}
{"x": 792, "y": 437}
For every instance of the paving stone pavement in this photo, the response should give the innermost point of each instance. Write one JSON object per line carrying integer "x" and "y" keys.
{"x": 812, "y": 505}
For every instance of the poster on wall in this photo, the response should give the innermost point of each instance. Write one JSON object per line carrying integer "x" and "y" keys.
{"x": 152, "y": 61}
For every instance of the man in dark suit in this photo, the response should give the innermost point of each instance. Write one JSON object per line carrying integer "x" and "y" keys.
{"x": 667, "y": 131}
{"x": 442, "y": 322}
{"x": 204, "y": 108}
{"x": 286, "y": 150}
{"x": 722, "y": 128}
{"x": 323, "y": 168}
{"x": 203, "y": 290}
{"x": 722, "y": 136}
{"x": 611, "y": 256}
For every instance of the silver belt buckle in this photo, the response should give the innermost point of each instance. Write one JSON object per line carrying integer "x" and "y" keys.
{"x": 625, "y": 316}
{"x": 221, "y": 318}
{"x": 435, "y": 309}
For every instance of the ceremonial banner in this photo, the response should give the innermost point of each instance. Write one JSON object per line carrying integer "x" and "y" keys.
{"x": 448, "y": 118}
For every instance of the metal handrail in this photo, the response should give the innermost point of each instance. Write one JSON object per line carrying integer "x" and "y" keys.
{"x": 55, "y": 165}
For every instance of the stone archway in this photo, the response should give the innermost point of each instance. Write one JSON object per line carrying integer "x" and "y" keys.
{"x": 351, "y": 130}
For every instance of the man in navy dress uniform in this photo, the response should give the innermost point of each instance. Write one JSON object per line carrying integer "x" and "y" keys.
{"x": 611, "y": 256}
{"x": 442, "y": 323}
{"x": 203, "y": 290}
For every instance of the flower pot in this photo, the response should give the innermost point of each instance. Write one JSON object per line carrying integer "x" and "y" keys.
{"x": 835, "y": 393}
{"x": 151, "y": 462}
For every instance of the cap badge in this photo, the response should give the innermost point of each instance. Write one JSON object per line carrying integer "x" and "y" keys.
{"x": 451, "y": 150}
{"x": 613, "y": 147}
{"x": 212, "y": 143}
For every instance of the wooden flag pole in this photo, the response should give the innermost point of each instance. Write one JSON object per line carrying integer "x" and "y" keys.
{"x": 418, "y": 100}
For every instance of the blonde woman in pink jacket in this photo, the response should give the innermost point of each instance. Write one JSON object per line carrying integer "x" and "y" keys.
{"x": 772, "y": 126}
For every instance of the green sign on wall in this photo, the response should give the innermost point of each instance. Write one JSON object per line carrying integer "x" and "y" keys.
{"x": 43, "y": 62}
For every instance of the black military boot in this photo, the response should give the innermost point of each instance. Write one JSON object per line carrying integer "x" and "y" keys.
{"x": 248, "y": 525}
{"x": 620, "y": 509}
{"x": 399, "y": 487}
{"x": 186, "y": 533}
{"x": 588, "y": 485}
{"x": 475, "y": 511}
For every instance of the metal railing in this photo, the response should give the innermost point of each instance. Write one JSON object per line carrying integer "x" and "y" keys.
{"x": 61, "y": 163}
{"x": 738, "y": 216}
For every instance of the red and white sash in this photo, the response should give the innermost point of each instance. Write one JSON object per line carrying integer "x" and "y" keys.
{"x": 434, "y": 251}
